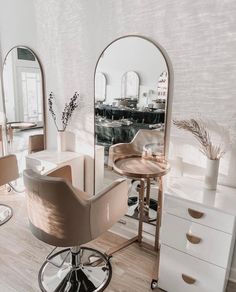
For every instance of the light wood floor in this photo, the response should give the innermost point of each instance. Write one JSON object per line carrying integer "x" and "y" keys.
{"x": 21, "y": 256}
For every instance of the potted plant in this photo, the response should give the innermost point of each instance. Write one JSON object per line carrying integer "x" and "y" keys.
{"x": 65, "y": 118}
{"x": 213, "y": 140}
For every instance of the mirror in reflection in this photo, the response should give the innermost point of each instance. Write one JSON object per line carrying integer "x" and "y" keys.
{"x": 130, "y": 86}
{"x": 100, "y": 87}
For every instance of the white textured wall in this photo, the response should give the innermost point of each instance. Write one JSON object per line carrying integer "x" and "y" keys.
{"x": 199, "y": 37}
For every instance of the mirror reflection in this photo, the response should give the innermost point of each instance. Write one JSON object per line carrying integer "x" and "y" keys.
{"x": 23, "y": 103}
{"x": 100, "y": 87}
{"x": 132, "y": 117}
{"x": 130, "y": 85}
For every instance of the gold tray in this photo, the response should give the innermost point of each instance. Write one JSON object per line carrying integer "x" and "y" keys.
{"x": 136, "y": 166}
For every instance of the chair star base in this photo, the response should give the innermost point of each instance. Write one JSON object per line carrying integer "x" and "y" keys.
{"x": 67, "y": 271}
{"x": 5, "y": 213}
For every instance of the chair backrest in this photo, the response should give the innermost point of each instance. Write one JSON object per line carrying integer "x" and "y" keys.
{"x": 8, "y": 169}
{"x": 58, "y": 215}
{"x": 36, "y": 143}
{"x": 63, "y": 216}
{"x": 146, "y": 136}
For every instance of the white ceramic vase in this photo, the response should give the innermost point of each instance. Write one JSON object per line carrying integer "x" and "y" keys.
{"x": 61, "y": 141}
{"x": 211, "y": 175}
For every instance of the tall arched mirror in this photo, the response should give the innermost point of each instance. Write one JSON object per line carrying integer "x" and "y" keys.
{"x": 133, "y": 116}
{"x": 23, "y": 103}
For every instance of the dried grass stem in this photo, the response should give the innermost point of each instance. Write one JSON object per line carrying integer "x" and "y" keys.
{"x": 202, "y": 135}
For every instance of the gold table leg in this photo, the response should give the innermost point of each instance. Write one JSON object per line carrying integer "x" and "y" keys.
{"x": 147, "y": 202}
{"x": 141, "y": 209}
{"x": 159, "y": 213}
{"x": 138, "y": 238}
{"x": 148, "y": 192}
{"x": 155, "y": 272}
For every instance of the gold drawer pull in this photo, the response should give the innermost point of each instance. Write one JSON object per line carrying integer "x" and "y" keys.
{"x": 193, "y": 239}
{"x": 195, "y": 214}
{"x": 188, "y": 280}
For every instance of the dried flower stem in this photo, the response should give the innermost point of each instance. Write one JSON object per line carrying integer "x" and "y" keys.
{"x": 202, "y": 135}
{"x": 67, "y": 112}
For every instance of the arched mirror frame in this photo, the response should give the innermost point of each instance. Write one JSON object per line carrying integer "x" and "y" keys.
{"x": 169, "y": 96}
{"x": 123, "y": 77}
{"x": 43, "y": 88}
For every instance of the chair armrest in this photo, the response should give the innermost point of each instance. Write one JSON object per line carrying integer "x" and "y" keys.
{"x": 9, "y": 169}
{"x": 62, "y": 172}
{"x": 108, "y": 206}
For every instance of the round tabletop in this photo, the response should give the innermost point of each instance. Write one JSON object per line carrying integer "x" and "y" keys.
{"x": 138, "y": 167}
{"x": 21, "y": 125}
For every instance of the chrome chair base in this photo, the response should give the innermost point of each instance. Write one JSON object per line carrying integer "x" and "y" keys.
{"x": 85, "y": 271}
{"x": 5, "y": 213}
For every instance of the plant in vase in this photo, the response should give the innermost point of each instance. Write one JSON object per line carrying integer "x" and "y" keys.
{"x": 213, "y": 140}
{"x": 65, "y": 118}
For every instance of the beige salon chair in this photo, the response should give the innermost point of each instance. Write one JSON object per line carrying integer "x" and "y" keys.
{"x": 36, "y": 143}
{"x": 63, "y": 216}
{"x": 8, "y": 172}
{"x": 142, "y": 138}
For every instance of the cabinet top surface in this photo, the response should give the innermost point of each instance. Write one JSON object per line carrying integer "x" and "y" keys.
{"x": 54, "y": 156}
{"x": 189, "y": 189}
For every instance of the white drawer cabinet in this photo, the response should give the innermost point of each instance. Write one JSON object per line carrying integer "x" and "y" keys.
{"x": 197, "y": 237}
{"x": 196, "y": 240}
{"x": 199, "y": 214}
{"x": 178, "y": 267}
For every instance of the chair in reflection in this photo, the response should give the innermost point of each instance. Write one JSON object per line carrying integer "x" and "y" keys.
{"x": 143, "y": 138}
{"x": 36, "y": 143}
{"x": 63, "y": 216}
{"x": 8, "y": 172}
{"x": 135, "y": 147}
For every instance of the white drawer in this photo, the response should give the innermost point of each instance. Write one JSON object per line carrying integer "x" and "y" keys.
{"x": 208, "y": 217}
{"x": 175, "y": 264}
{"x": 197, "y": 240}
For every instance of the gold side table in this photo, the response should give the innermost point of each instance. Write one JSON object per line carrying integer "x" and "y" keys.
{"x": 144, "y": 169}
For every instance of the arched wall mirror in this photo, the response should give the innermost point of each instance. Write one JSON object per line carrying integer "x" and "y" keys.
{"x": 24, "y": 107}
{"x": 134, "y": 114}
